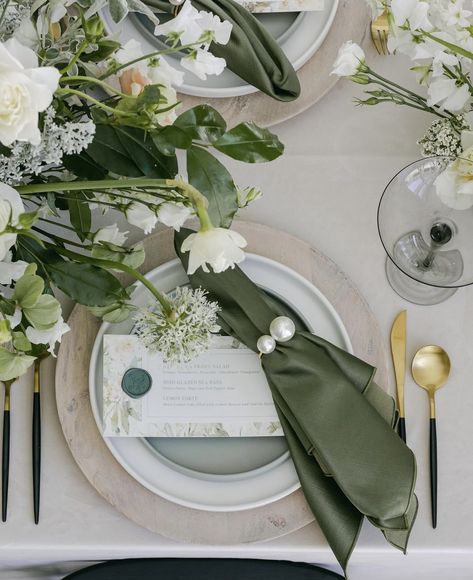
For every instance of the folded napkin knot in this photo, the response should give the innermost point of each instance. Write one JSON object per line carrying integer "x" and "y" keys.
{"x": 281, "y": 329}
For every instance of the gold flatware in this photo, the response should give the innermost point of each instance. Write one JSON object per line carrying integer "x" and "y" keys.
{"x": 380, "y": 33}
{"x": 6, "y": 449}
{"x": 398, "y": 351}
{"x": 430, "y": 370}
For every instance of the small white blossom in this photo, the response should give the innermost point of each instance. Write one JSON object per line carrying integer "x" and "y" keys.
{"x": 441, "y": 139}
{"x": 412, "y": 11}
{"x": 10, "y": 271}
{"x": 50, "y": 336}
{"x": 140, "y": 214}
{"x": 218, "y": 247}
{"x": 203, "y": 63}
{"x": 215, "y": 29}
{"x": 349, "y": 60}
{"x": 174, "y": 215}
{"x": 448, "y": 95}
{"x": 15, "y": 318}
{"x": 110, "y": 234}
{"x": 11, "y": 206}
{"x": 184, "y": 26}
{"x": 186, "y": 333}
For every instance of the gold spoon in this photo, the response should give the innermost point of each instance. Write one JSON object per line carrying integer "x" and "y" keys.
{"x": 430, "y": 369}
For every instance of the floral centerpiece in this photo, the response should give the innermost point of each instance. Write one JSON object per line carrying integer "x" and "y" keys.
{"x": 87, "y": 126}
{"x": 437, "y": 36}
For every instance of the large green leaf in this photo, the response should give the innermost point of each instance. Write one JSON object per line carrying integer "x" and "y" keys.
{"x": 13, "y": 365}
{"x": 107, "y": 150}
{"x": 45, "y": 313}
{"x": 170, "y": 138}
{"x": 86, "y": 284}
{"x": 79, "y": 213}
{"x": 145, "y": 155}
{"x": 202, "y": 123}
{"x": 250, "y": 143}
{"x": 84, "y": 166}
{"x": 211, "y": 178}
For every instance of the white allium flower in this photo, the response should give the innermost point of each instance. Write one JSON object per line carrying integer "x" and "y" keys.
{"x": 184, "y": 26}
{"x": 50, "y": 336}
{"x": 218, "y": 247}
{"x": 110, "y": 234}
{"x": 25, "y": 91}
{"x": 349, "y": 60}
{"x": 412, "y": 11}
{"x": 203, "y": 63}
{"x": 10, "y": 271}
{"x": 184, "y": 335}
{"x": 445, "y": 93}
{"x": 174, "y": 215}
{"x": 11, "y": 206}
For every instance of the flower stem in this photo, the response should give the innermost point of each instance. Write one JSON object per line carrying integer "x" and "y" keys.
{"x": 97, "y": 185}
{"x": 96, "y": 102}
{"x": 110, "y": 264}
{"x": 85, "y": 79}
{"x": 75, "y": 58}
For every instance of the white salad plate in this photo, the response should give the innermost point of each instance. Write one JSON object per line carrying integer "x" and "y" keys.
{"x": 298, "y": 34}
{"x": 217, "y": 474}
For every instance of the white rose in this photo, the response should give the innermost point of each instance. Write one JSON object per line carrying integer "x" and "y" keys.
{"x": 49, "y": 336}
{"x": 110, "y": 234}
{"x": 174, "y": 215}
{"x": 218, "y": 247}
{"x": 203, "y": 63}
{"x": 11, "y": 207}
{"x": 25, "y": 91}
{"x": 349, "y": 59}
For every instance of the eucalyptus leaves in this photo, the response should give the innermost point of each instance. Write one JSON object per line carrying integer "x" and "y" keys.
{"x": 106, "y": 135}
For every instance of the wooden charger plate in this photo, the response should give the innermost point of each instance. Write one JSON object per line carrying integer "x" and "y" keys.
{"x": 351, "y": 23}
{"x": 119, "y": 488}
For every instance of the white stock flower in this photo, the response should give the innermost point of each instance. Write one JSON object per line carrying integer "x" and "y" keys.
{"x": 185, "y": 25}
{"x": 25, "y": 91}
{"x": 10, "y": 271}
{"x": 203, "y": 63}
{"x": 218, "y": 247}
{"x": 174, "y": 215}
{"x": 456, "y": 15}
{"x": 110, "y": 234}
{"x": 413, "y": 12}
{"x": 11, "y": 207}
{"x": 446, "y": 94}
{"x": 349, "y": 59}
{"x": 50, "y": 336}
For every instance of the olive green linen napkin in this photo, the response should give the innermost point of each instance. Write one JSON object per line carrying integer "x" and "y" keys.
{"x": 252, "y": 53}
{"x": 339, "y": 424}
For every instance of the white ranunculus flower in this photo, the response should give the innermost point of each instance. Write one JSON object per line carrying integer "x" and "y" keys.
{"x": 446, "y": 94}
{"x": 50, "y": 336}
{"x": 25, "y": 91}
{"x": 10, "y": 271}
{"x": 218, "y": 247}
{"x": 412, "y": 11}
{"x": 141, "y": 216}
{"x": 203, "y": 63}
{"x": 185, "y": 25}
{"x": 174, "y": 215}
{"x": 11, "y": 207}
{"x": 349, "y": 59}
{"x": 219, "y": 30}
{"x": 110, "y": 234}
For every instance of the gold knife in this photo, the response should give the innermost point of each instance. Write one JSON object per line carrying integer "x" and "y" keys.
{"x": 398, "y": 350}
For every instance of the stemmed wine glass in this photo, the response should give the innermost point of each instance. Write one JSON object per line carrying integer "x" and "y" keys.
{"x": 425, "y": 223}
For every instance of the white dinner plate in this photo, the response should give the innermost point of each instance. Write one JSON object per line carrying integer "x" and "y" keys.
{"x": 217, "y": 474}
{"x": 299, "y": 35}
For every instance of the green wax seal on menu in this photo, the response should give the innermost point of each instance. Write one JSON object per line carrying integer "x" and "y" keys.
{"x": 136, "y": 382}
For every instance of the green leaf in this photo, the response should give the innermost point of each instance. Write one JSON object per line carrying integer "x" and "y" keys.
{"x": 30, "y": 251}
{"x": 86, "y": 284}
{"x": 107, "y": 150}
{"x": 132, "y": 257}
{"x": 27, "y": 219}
{"x": 143, "y": 152}
{"x": 202, "y": 123}
{"x": 45, "y": 312}
{"x": 20, "y": 342}
{"x": 28, "y": 289}
{"x": 80, "y": 214}
{"x": 171, "y": 138}
{"x": 117, "y": 312}
{"x": 250, "y": 143}
{"x": 84, "y": 166}
{"x": 13, "y": 365}
{"x": 212, "y": 179}
{"x": 118, "y": 9}
{"x": 105, "y": 49}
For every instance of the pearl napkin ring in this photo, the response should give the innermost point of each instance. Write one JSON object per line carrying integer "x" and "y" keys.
{"x": 281, "y": 329}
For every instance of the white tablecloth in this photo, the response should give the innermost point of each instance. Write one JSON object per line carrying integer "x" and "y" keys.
{"x": 325, "y": 190}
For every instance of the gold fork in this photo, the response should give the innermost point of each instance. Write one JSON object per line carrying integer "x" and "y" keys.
{"x": 380, "y": 32}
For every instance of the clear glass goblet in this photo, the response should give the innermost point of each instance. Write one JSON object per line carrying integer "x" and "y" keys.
{"x": 425, "y": 222}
